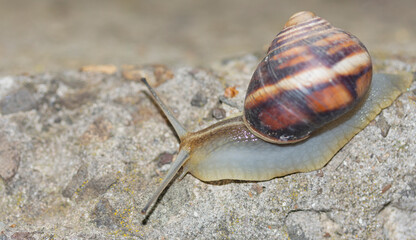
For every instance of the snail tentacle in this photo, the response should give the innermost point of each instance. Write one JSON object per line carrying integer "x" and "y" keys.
{"x": 176, "y": 165}
{"x": 179, "y": 128}
{"x": 182, "y": 155}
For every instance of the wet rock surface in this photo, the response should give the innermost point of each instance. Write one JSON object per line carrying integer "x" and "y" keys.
{"x": 82, "y": 159}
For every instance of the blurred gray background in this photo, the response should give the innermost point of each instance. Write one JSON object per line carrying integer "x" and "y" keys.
{"x": 51, "y": 35}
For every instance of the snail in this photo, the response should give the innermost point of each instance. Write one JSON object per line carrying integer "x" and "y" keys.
{"x": 307, "y": 98}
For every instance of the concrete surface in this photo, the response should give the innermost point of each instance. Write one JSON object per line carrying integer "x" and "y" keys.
{"x": 82, "y": 151}
{"x": 85, "y": 150}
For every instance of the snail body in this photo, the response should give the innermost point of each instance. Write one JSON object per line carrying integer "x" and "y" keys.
{"x": 230, "y": 151}
{"x": 327, "y": 93}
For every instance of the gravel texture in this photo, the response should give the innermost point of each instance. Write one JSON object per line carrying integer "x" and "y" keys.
{"x": 81, "y": 153}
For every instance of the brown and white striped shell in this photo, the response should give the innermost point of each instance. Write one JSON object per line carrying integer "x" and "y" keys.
{"x": 313, "y": 73}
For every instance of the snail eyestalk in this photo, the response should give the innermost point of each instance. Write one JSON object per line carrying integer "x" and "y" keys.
{"x": 182, "y": 155}
{"x": 179, "y": 129}
{"x": 176, "y": 165}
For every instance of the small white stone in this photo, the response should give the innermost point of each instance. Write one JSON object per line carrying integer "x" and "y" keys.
{"x": 2, "y": 226}
{"x": 6, "y": 84}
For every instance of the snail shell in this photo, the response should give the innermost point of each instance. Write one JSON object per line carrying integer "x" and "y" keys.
{"x": 315, "y": 81}
{"x": 313, "y": 73}
{"x": 229, "y": 150}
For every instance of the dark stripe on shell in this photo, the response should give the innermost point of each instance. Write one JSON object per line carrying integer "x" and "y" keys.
{"x": 300, "y": 26}
{"x": 296, "y": 36}
{"x": 271, "y": 68}
{"x": 306, "y": 119}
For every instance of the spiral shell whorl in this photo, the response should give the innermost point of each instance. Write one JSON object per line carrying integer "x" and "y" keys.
{"x": 299, "y": 17}
{"x": 312, "y": 74}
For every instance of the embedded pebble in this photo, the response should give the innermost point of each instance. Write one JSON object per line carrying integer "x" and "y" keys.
{"x": 155, "y": 74}
{"x": 164, "y": 158}
{"x": 229, "y": 102}
{"x": 230, "y": 92}
{"x": 105, "y": 69}
{"x": 218, "y": 113}
{"x": 299, "y": 225}
{"x": 383, "y": 125}
{"x": 2, "y": 226}
{"x": 9, "y": 159}
{"x": 199, "y": 100}
{"x": 398, "y": 222}
{"x": 23, "y": 236}
{"x": 257, "y": 188}
{"x": 98, "y": 131}
{"x": 19, "y": 101}
{"x": 76, "y": 100}
{"x": 98, "y": 186}
{"x": 104, "y": 215}
{"x": 77, "y": 180}
{"x": 6, "y": 85}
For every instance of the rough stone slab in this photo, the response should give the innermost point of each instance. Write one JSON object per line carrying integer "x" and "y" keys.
{"x": 9, "y": 158}
{"x": 90, "y": 147}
